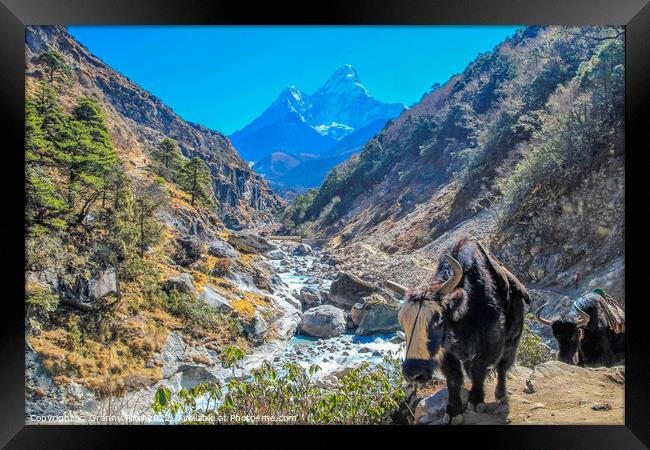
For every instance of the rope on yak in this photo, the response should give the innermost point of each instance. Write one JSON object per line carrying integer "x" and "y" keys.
{"x": 613, "y": 312}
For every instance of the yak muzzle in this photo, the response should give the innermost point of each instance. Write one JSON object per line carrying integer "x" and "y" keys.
{"x": 417, "y": 370}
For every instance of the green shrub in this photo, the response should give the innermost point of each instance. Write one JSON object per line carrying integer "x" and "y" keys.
{"x": 532, "y": 350}
{"x": 367, "y": 394}
{"x": 40, "y": 300}
{"x": 75, "y": 335}
{"x": 187, "y": 306}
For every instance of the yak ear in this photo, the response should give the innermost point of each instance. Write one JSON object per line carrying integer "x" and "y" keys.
{"x": 452, "y": 301}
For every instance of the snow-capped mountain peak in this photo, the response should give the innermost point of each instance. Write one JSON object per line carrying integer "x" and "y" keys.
{"x": 297, "y": 122}
{"x": 344, "y": 81}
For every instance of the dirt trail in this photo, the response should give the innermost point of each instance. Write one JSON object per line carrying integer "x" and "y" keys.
{"x": 561, "y": 394}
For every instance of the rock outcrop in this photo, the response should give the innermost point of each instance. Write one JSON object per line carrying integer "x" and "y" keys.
{"x": 103, "y": 284}
{"x": 221, "y": 249}
{"x": 256, "y": 329}
{"x": 210, "y": 296}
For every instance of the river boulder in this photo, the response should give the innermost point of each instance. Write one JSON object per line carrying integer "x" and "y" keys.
{"x": 356, "y": 313}
{"x": 377, "y": 316}
{"x": 349, "y": 289}
{"x": 250, "y": 242}
{"x": 323, "y": 321}
{"x": 310, "y": 297}
{"x": 276, "y": 255}
{"x": 302, "y": 250}
{"x": 256, "y": 329}
{"x": 193, "y": 375}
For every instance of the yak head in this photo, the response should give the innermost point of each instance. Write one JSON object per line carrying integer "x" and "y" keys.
{"x": 567, "y": 331}
{"x": 422, "y": 316}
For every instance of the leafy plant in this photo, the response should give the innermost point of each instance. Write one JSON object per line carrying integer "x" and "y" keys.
{"x": 40, "y": 300}
{"x": 367, "y": 394}
{"x": 231, "y": 357}
{"x": 532, "y": 350}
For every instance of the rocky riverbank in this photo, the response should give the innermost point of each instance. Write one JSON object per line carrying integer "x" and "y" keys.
{"x": 330, "y": 318}
{"x": 315, "y": 315}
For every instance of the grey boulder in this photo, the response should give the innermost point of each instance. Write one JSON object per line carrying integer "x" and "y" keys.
{"x": 181, "y": 283}
{"x": 349, "y": 289}
{"x": 431, "y": 409}
{"x": 256, "y": 329}
{"x": 189, "y": 251}
{"x": 302, "y": 250}
{"x": 221, "y": 249}
{"x": 211, "y": 297}
{"x": 192, "y": 376}
{"x": 356, "y": 314}
{"x": 378, "y": 316}
{"x": 103, "y": 284}
{"x": 276, "y": 255}
{"x": 310, "y": 297}
{"x": 250, "y": 242}
{"x": 324, "y": 321}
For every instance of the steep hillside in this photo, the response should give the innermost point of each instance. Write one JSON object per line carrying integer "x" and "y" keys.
{"x": 138, "y": 120}
{"x": 524, "y": 150}
{"x": 132, "y": 275}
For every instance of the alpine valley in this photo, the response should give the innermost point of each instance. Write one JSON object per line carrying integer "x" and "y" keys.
{"x": 168, "y": 281}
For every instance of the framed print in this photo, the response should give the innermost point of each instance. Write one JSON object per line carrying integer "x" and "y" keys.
{"x": 372, "y": 217}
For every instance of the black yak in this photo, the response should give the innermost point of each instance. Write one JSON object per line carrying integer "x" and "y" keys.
{"x": 592, "y": 333}
{"x": 470, "y": 316}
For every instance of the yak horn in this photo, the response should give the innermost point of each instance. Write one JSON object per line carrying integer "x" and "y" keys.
{"x": 397, "y": 288}
{"x": 584, "y": 317}
{"x": 457, "y": 274}
{"x": 540, "y": 319}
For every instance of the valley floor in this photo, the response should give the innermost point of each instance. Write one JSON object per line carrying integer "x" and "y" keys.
{"x": 561, "y": 394}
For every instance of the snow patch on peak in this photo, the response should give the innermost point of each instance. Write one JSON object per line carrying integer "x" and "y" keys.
{"x": 295, "y": 93}
{"x": 334, "y": 130}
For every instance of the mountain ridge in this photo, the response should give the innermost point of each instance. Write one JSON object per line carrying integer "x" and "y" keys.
{"x": 140, "y": 120}
{"x": 319, "y": 123}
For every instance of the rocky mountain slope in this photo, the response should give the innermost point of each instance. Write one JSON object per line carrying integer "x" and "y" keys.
{"x": 331, "y": 123}
{"x": 138, "y": 120}
{"x": 523, "y": 150}
{"x": 121, "y": 263}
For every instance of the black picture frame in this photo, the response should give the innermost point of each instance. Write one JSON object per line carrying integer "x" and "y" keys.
{"x": 15, "y": 14}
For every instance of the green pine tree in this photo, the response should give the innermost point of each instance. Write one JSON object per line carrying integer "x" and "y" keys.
{"x": 86, "y": 158}
{"x": 54, "y": 63}
{"x": 195, "y": 179}
{"x": 150, "y": 230}
{"x": 168, "y": 153}
{"x": 44, "y": 207}
{"x": 50, "y": 116}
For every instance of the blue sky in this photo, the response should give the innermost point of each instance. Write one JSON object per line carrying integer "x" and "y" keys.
{"x": 224, "y": 77}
